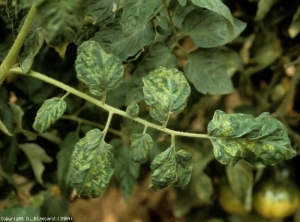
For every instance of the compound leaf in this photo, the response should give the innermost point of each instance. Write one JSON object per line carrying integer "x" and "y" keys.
{"x": 36, "y": 156}
{"x": 164, "y": 166}
{"x": 61, "y": 20}
{"x": 166, "y": 91}
{"x": 208, "y": 29}
{"x": 133, "y": 109}
{"x": 136, "y": 14}
{"x": 92, "y": 164}
{"x": 261, "y": 141}
{"x": 206, "y": 69}
{"x": 113, "y": 39}
{"x": 141, "y": 145}
{"x": 100, "y": 71}
{"x": 50, "y": 111}
{"x": 184, "y": 163}
{"x": 159, "y": 55}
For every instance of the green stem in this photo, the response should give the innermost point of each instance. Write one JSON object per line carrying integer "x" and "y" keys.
{"x": 64, "y": 96}
{"x": 110, "y": 115}
{"x": 106, "y": 107}
{"x": 13, "y": 53}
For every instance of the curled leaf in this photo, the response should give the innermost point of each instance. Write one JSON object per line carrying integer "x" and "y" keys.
{"x": 50, "y": 111}
{"x": 92, "y": 164}
{"x": 100, "y": 71}
{"x": 261, "y": 141}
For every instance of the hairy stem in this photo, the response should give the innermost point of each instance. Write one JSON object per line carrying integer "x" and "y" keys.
{"x": 13, "y": 53}
{"x": 18, "y": 70}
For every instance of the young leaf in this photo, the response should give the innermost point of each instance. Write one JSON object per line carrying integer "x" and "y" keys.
{"x": 208, "y": 29}
{"x": 141, "y": 145}
{"x": 61, "y": 20}
{"x": 261, "y": 141}
{"x": 100, "y": 71}
{"x": 184, "y": 166}
{"x": 159, "y": 55}
{"x": 166, "y": 91}
{"x": 50, "y": 111}
{"x": 133, "y": 109}
{"x": 36, "y": 156}
{"x": 136, "y": 14}
{"x": 113, "y": 39}
{"x": 92, "y": 164}
{"x": 164, "y": 166}
{"x": 4, "y": 129}
{"x": 206, "y": 69}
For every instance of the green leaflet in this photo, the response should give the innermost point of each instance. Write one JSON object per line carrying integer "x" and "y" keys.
{"x": 206, "y": 69}
{"x": 218, "y": 7}
{"x": 101, "y": 11}
{"x": 171, "y": 168}
{"x": 141, "y": 145}
{"x": 208, "y": 29}
{"x": 184, "y": 163}
{"x": 61, "y": 20}
{"x": 113, "y": 39}
{"x": 261, "y": 141}
{"x": 136, "y": 14}
{"x": 36, "y": 156}
{"x": 50, "y": 111}
{"x": 163, "y": 26}
{"x": 159, "y": 55}
{"x": 133, "y": 109}
{"x": 92, "y": 164}
{"x": 100, "y": 71}
{"x": 166, "y": 91}
{"x": 164, "y": 167}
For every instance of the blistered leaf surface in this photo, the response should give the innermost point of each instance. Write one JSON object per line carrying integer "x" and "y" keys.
{"x": 50, "y": 111}
{"x": 171, "y": 168}
{"x": 141, "y": 145}
{"x": 100, "y": 71}
{"x": 159, "y": 55}
{"x": 166, "y": 91}
{"x": 133, "y": 109}
{"x": 207, "y": 71}
{"x": 92, "y": 164}
{"x": 184, "y": 164}
{"x": 261, "y": 141}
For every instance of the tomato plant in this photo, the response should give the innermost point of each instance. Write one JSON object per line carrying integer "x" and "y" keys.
{"x": 99, "y": 94}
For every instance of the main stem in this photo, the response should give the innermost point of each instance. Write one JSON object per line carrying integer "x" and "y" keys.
{"x": 13, "y": 53}
{"x": 106, "y": 107}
